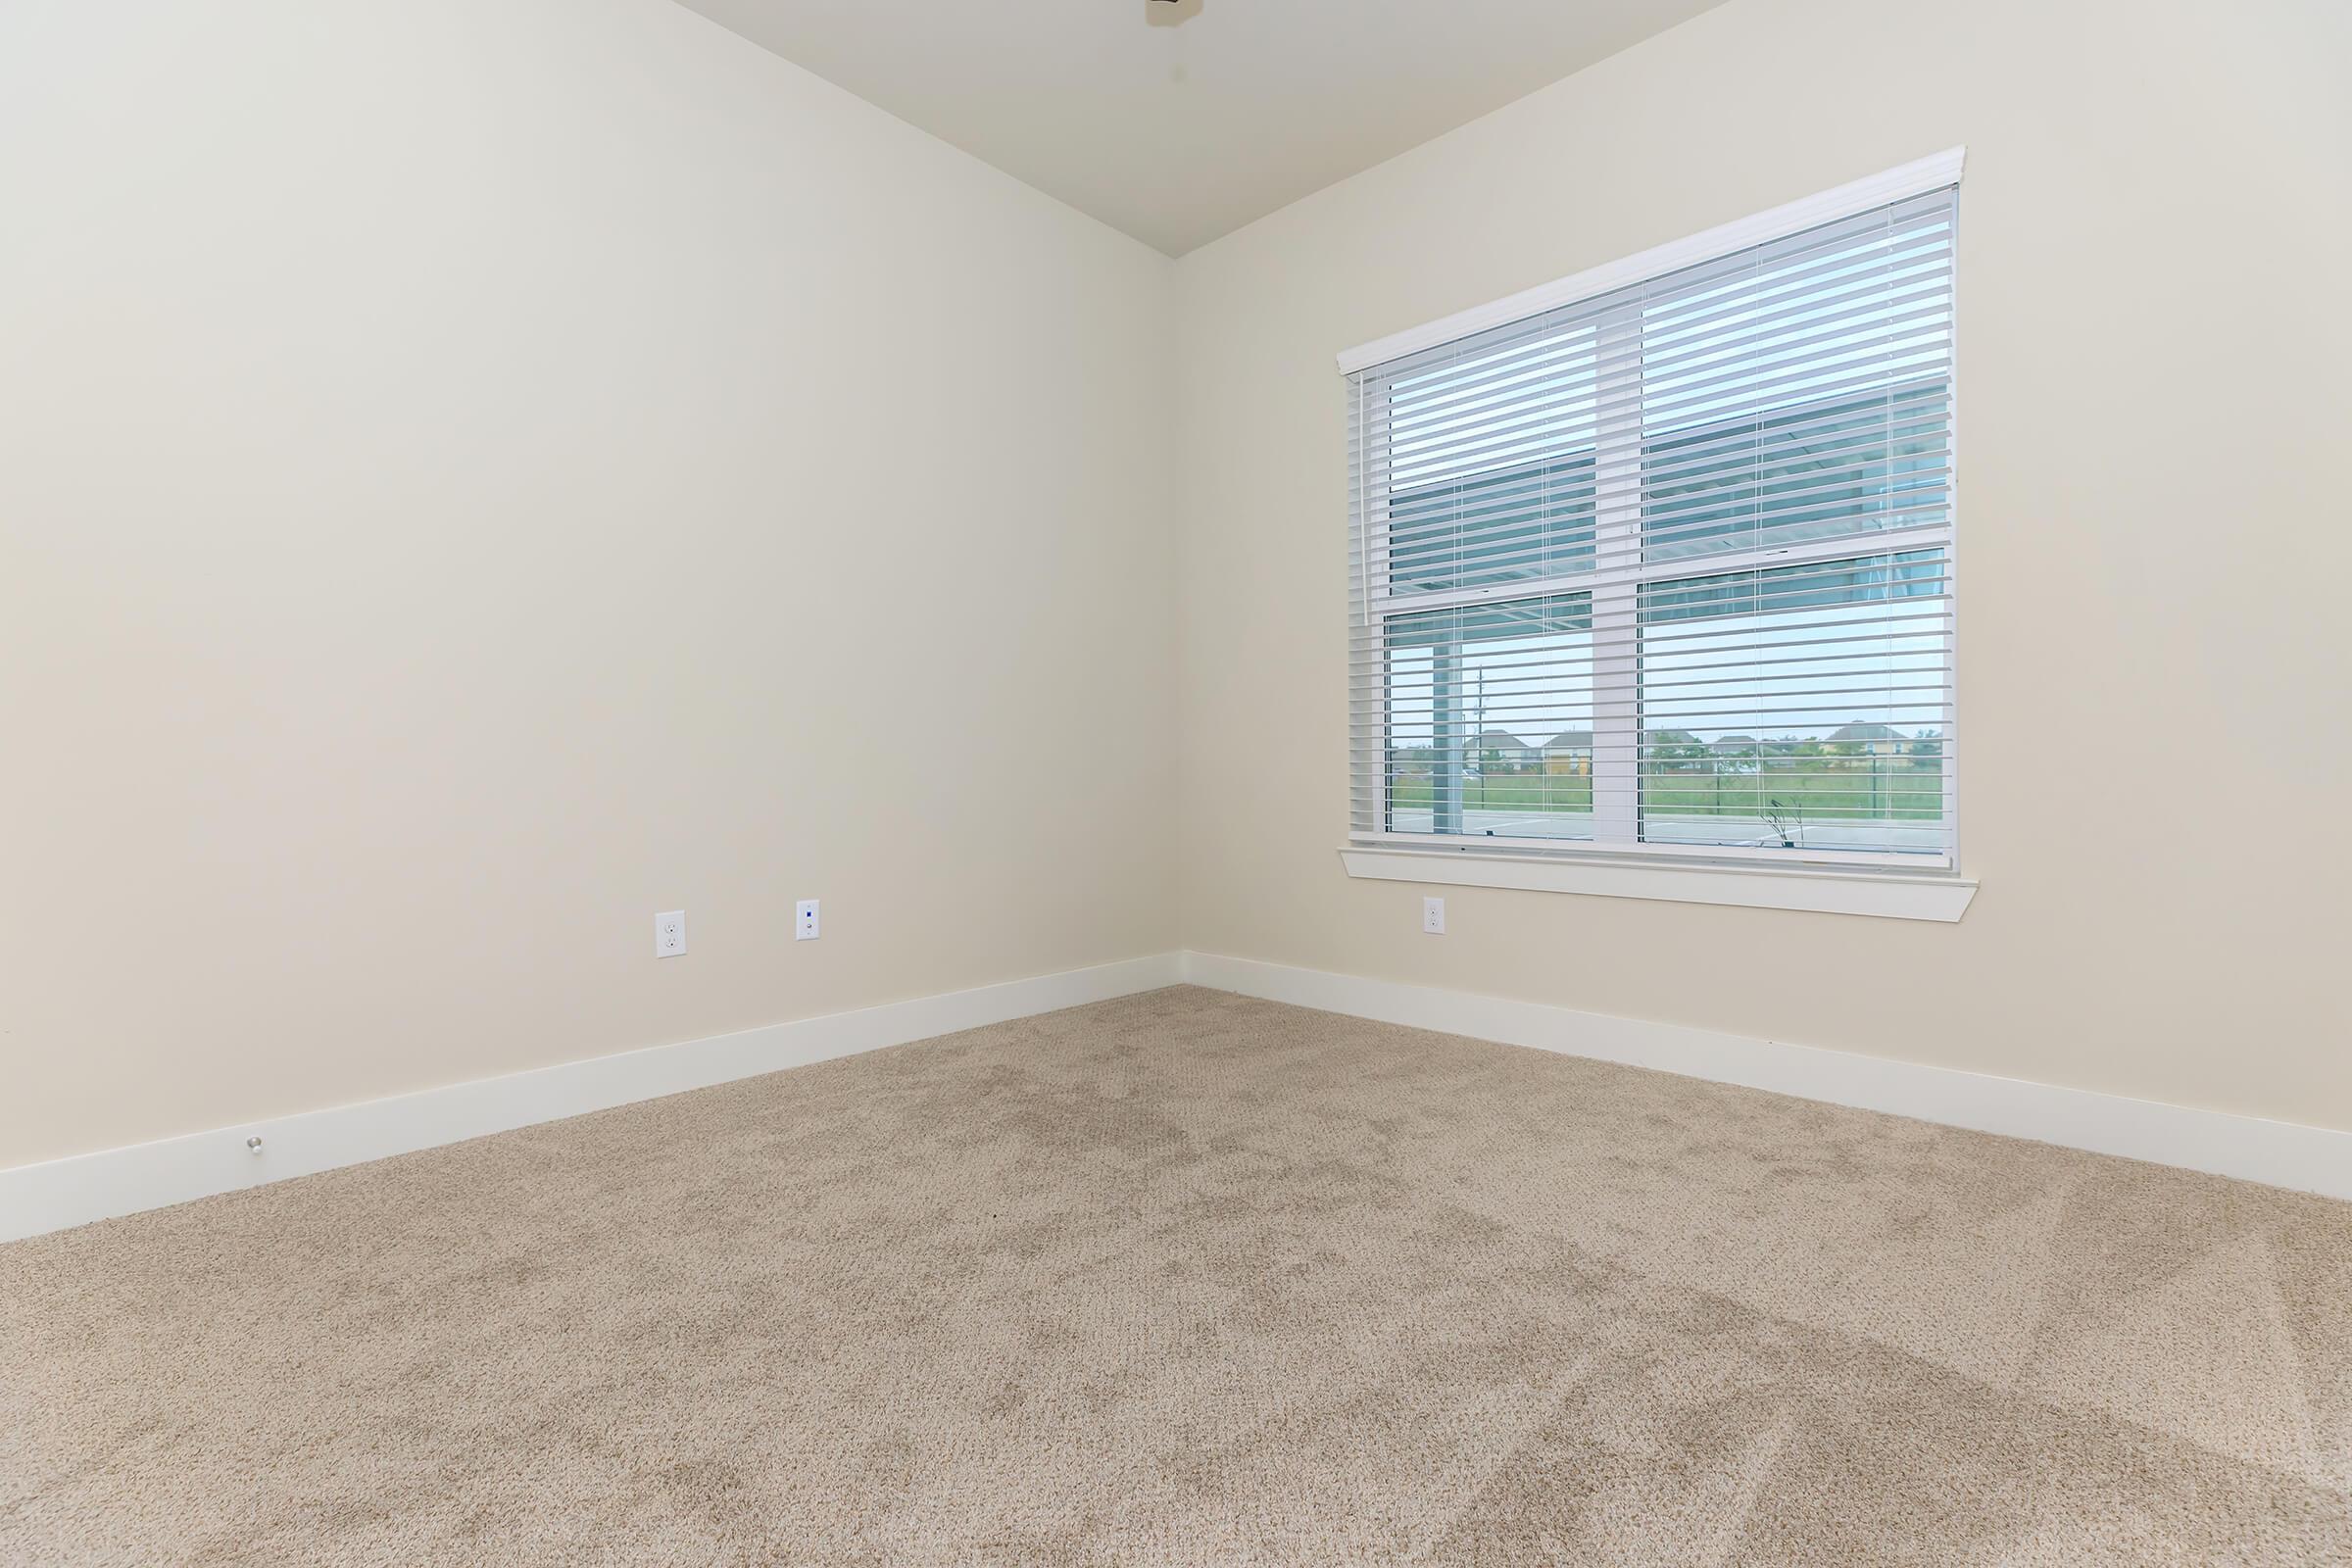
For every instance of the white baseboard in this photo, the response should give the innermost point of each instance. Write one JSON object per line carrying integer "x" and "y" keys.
{"x": 2312, "y": 1160}
{"x": 74, "y": 1190}
{"x": 62, "y": 1192}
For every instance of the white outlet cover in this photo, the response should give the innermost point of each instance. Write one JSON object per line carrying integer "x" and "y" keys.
{"x": 1433, "y": 916}
{"x": 669, "y": 934}
{"x": 803, "y": 920}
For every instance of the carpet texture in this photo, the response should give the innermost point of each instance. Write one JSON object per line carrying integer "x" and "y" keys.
{"x": 1190, "y": 1278}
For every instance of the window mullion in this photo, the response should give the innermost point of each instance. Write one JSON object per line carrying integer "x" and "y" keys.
{"x": 1374, "y": 748}
{"x": 1616, "y": 651}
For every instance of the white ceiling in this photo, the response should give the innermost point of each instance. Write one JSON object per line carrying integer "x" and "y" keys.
{"x": 1181, "y": 122}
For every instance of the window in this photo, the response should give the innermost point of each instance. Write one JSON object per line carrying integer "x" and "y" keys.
{"x": 1665, "y": 573}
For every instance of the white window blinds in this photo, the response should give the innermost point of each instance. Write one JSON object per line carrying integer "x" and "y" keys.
{"x": 1667, "y": 571}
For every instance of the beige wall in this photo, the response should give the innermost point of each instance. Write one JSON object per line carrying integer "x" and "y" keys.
{"x": 2156, "y": 533}
{"x": 474, "y": 473}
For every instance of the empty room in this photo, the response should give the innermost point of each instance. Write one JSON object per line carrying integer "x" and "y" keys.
{"x": 1175, "y": 782}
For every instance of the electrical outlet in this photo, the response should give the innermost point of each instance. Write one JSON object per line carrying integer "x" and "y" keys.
{"x": 803, "y": 920}
{"x": 669, "y": 934}
{"x": 1433, "y": 916}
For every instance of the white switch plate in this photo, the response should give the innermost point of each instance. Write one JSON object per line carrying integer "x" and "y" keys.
{"x": 1433, "y": 916}
{"x": 669, "y": 934}
{"x": 803, "y": 920}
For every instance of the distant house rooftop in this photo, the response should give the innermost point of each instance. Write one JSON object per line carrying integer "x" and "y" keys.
{"x": 1865, "y": 732}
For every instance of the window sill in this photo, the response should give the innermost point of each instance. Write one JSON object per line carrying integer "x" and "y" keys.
{"x": 1891, "y": 895}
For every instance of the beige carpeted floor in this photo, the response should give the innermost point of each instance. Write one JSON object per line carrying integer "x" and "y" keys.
{"x": 1191, "y": 1279}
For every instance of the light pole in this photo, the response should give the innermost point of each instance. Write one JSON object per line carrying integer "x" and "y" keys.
{"x": 1478, "y": 733}
{"x": 1445, "y": 770}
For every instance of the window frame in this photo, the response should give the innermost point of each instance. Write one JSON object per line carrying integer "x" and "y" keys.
{"x": 1863, "y": 881}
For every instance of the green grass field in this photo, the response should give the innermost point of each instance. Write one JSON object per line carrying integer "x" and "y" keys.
{"x": 1900, "y": 789}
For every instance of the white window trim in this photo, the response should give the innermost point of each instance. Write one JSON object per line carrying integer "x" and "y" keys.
{"x": 1864, "y": 885}
{"x": 1891, "y": 893}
